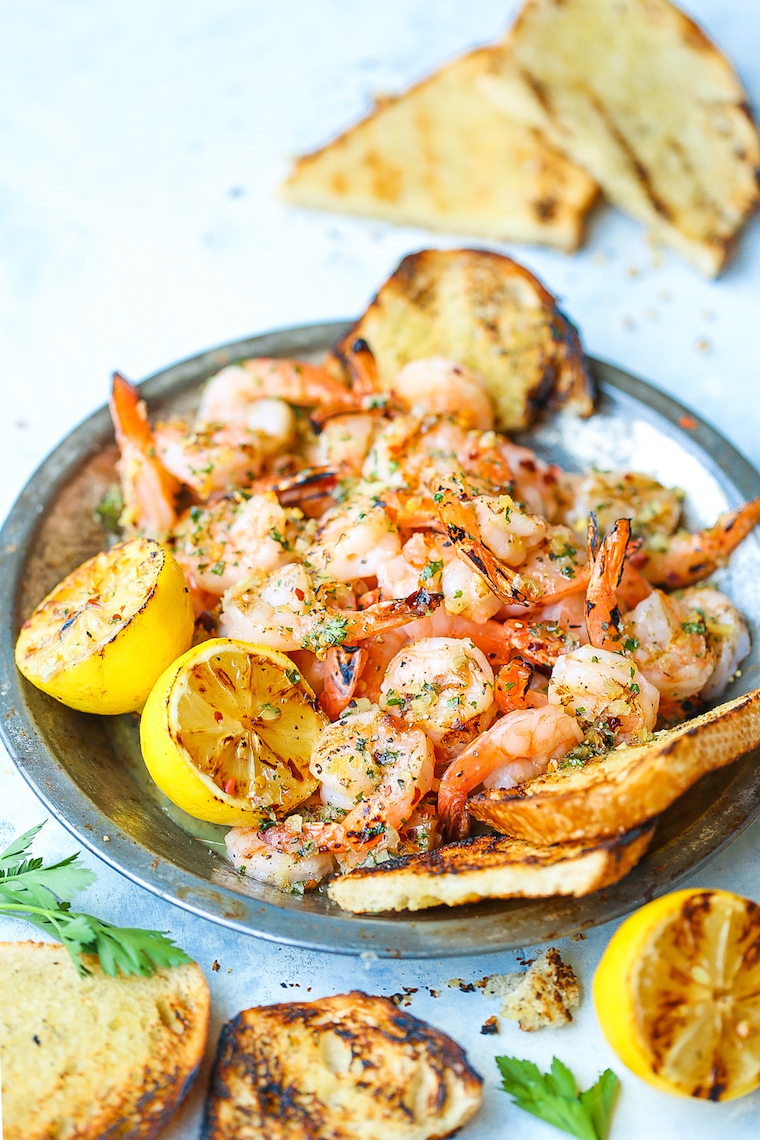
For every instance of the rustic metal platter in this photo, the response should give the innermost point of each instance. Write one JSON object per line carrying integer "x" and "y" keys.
{"x": 88, "y": 772}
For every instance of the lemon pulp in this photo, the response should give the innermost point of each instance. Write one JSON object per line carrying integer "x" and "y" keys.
{"x": 678, "y": 994}
{"x": 100, "y": 639}
{"x": 228, "y": 731}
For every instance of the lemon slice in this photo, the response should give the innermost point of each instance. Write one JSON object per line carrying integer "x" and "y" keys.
{"x": 101, "y": 638}
{"x": 228, "y": 731}
{"x": 677, "y": 993}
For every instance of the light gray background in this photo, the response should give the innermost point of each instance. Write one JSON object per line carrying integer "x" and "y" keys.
{"x": 140, "y": 148}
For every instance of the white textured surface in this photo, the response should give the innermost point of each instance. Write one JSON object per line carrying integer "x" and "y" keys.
{"x": 140, "y": 147}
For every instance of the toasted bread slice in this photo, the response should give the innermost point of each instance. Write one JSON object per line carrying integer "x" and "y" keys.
{"x": 443, "y": 156}
{"x": 489, "y": 867}
{"x": 628, "y": 786}
{"x": 634, "y": 92}
{"x": 350, "y": 1067}
{"x": 97, "y": 1057}
{"x": 484, "y": 311}
{"x": 542, "y": 997}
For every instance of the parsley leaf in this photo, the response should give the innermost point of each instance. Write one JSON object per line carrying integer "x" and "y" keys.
{"x": 41, "y": 895}
{"x": 554, "y": 1097}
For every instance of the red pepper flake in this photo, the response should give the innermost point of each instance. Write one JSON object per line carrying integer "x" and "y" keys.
{"x": 300, "y": 594}
{"x": 230, "y": 786}
{"x": 218, "y": 716}
{"x": 293, "y": 769}
{"x": 688, "y": 423}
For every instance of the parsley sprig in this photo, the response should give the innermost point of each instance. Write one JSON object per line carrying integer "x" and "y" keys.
{"x": 554, "y": 1097}
{"x": 42, "y": 895}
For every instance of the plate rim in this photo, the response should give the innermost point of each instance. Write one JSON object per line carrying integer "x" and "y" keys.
{"x": 362, "y": 934}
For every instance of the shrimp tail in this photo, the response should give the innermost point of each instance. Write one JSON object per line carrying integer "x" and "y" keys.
{"x": 343, "y": 668}
{"x": 509, "y": 586}
{"x": 310, "y": 483}
{"x": 363, "y": 369}
{"x": 512, "y": 684}
{"x": 603, "y": 617}
{"x": 688, "y": 558}
{"x": 361, "y": 624}
{"x": 149, "y": 490}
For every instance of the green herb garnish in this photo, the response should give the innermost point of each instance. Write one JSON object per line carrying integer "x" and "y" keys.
{"x": 554, "y": 1097}
{"x": 42, "y": 895}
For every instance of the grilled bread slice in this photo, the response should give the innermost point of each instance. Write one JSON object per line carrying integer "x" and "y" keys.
{"x": 350, "y": 1067}
{"x": 484, "y": 311}
{"x": 94, "y": 1058}
{"x": 489, "y": 867}
{"x": 443, "y": 156}
{"x": 628, "y": 786}
{"x": 634, "y": 92}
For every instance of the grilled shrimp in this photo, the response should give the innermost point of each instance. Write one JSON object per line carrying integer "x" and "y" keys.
{"x": 148, "y": 489}
{"x": 286, "y": 611}
{"x": 251, "y": 853}
{"x": 514, "y": 749}
{"x": 443, "y": 387}
{"x": 612, "y": 495}
{"x": 684, "y": 558}
{"x": 378, "y": 768}
{"x": 429, "y": 559}
{"x": 232, "y": 395}
{"x": 687, "y": 644}
{"x": 446, "y": 686}
{"x": 353, "y": 540}
{"x": 221, "y": 543}
{"x": 210, "y": 459}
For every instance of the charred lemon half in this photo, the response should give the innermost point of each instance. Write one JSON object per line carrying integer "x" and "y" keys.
{"x": 677, "y": 993}
{"x": 228, "y": 731}
{"x": 100, "y": 639}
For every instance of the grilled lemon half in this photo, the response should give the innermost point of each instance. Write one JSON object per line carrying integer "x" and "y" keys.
{"x": 100, "y": 639}
{"x": 228, "y": 731}
{"x": 677, "y": 993}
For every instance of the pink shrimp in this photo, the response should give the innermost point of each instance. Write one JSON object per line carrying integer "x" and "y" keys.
{"x": 149, "y": 490}
{"x": 683, "y": 558}
{"x": 516, "y": 748}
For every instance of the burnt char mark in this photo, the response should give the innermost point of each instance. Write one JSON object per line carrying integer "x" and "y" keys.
{"x": 640, "y": 171}
{"x": 545, "y": 208}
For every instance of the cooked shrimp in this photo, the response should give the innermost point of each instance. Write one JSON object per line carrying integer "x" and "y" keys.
{"x": 688, "y": 644}
{"x": 353, "y": 540}
{"x": 512, "y": 685}
{"x": 416, "y": 453}
{"x": 443, "y": 387}
{"x": 362, "y": 368}
{"x": 727, "y": 635}
{"x": 251, "y": 853}
{"x": 544, "y": 488}
{"x": 285, "y": 610}
{"x": 611, "y": 495}
{"x": 343, "y": 668}
{"x": 377, "y": 767}
{"x": 684, "y": 558}
{"x": 228, "y": 396}
{"x": 603, "y": 618}
{"x": 605, "y": 689}
{"x": 429, "y": 559}
{"x": 446, "y": 686}
{"x": 493, "y": 536}
{"x": 345, "y": 440}
{"x": 148, "y": 489}
{"x": 539, "y": 642}
{"x": 558, "y": 564}
{"x": 490, "y": 637}
{"x": 516, "y": 748}
{"x": 220, "y": 544}
{"x": 669, "y": 645}
{"x": 210, "y": 460}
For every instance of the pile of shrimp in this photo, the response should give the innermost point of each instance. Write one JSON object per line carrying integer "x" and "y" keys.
{"x": 447, "y": 594}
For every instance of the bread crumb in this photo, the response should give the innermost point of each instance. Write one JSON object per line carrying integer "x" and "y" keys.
{"x": 542, "y": 997}
{"x": 215, "y": 966}
{"x": 490, "y": 1026}
{"x": 703, "y": 345}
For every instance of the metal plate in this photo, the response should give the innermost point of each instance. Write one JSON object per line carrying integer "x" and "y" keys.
{"x": 88, "y": 771}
